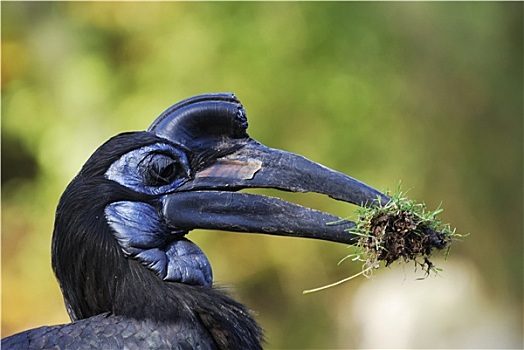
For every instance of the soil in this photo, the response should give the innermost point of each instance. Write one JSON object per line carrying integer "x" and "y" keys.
{"x": 402, "y": 236}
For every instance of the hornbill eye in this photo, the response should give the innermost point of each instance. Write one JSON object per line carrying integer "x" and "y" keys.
{"x": 154, "y": 169}
{"x": 161, "y": 169}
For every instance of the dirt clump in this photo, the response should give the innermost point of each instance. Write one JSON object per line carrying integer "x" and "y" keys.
{"x": 400, "y": 235}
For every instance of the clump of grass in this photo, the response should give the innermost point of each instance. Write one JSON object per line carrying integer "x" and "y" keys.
{"x": 399, "y": 230}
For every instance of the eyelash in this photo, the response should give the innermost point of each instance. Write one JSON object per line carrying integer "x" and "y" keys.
{"x": 163, "y": 171}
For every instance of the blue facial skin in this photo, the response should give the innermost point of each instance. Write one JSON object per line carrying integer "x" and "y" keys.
{"x": 144, "y": 237}
{"x": 134, "y": 170}
{"x": 157, "y": 169}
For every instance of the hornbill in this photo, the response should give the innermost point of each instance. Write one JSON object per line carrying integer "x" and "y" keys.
{"x": 129, "y": 276}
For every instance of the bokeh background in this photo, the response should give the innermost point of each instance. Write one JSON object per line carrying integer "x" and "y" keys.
{"x": 429, "y": 94}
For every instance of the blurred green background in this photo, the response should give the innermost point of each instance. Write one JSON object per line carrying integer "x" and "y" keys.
{"x": 430, "y": 94}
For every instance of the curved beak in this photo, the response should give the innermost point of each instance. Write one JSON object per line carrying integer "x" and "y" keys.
{"x": 209, "y": 200}
{"x": 225, "y": 159}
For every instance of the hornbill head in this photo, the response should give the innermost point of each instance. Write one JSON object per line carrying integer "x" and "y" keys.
{"x": 132, "y": 204}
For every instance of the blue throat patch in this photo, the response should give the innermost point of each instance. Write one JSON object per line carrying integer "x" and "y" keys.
{"x": 143, "y": 236}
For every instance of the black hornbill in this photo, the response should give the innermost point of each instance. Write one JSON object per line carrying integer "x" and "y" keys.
{"x": 129, "y": 276}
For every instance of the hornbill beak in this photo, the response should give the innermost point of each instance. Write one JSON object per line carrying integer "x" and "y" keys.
{"x": 224, "y": 159}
